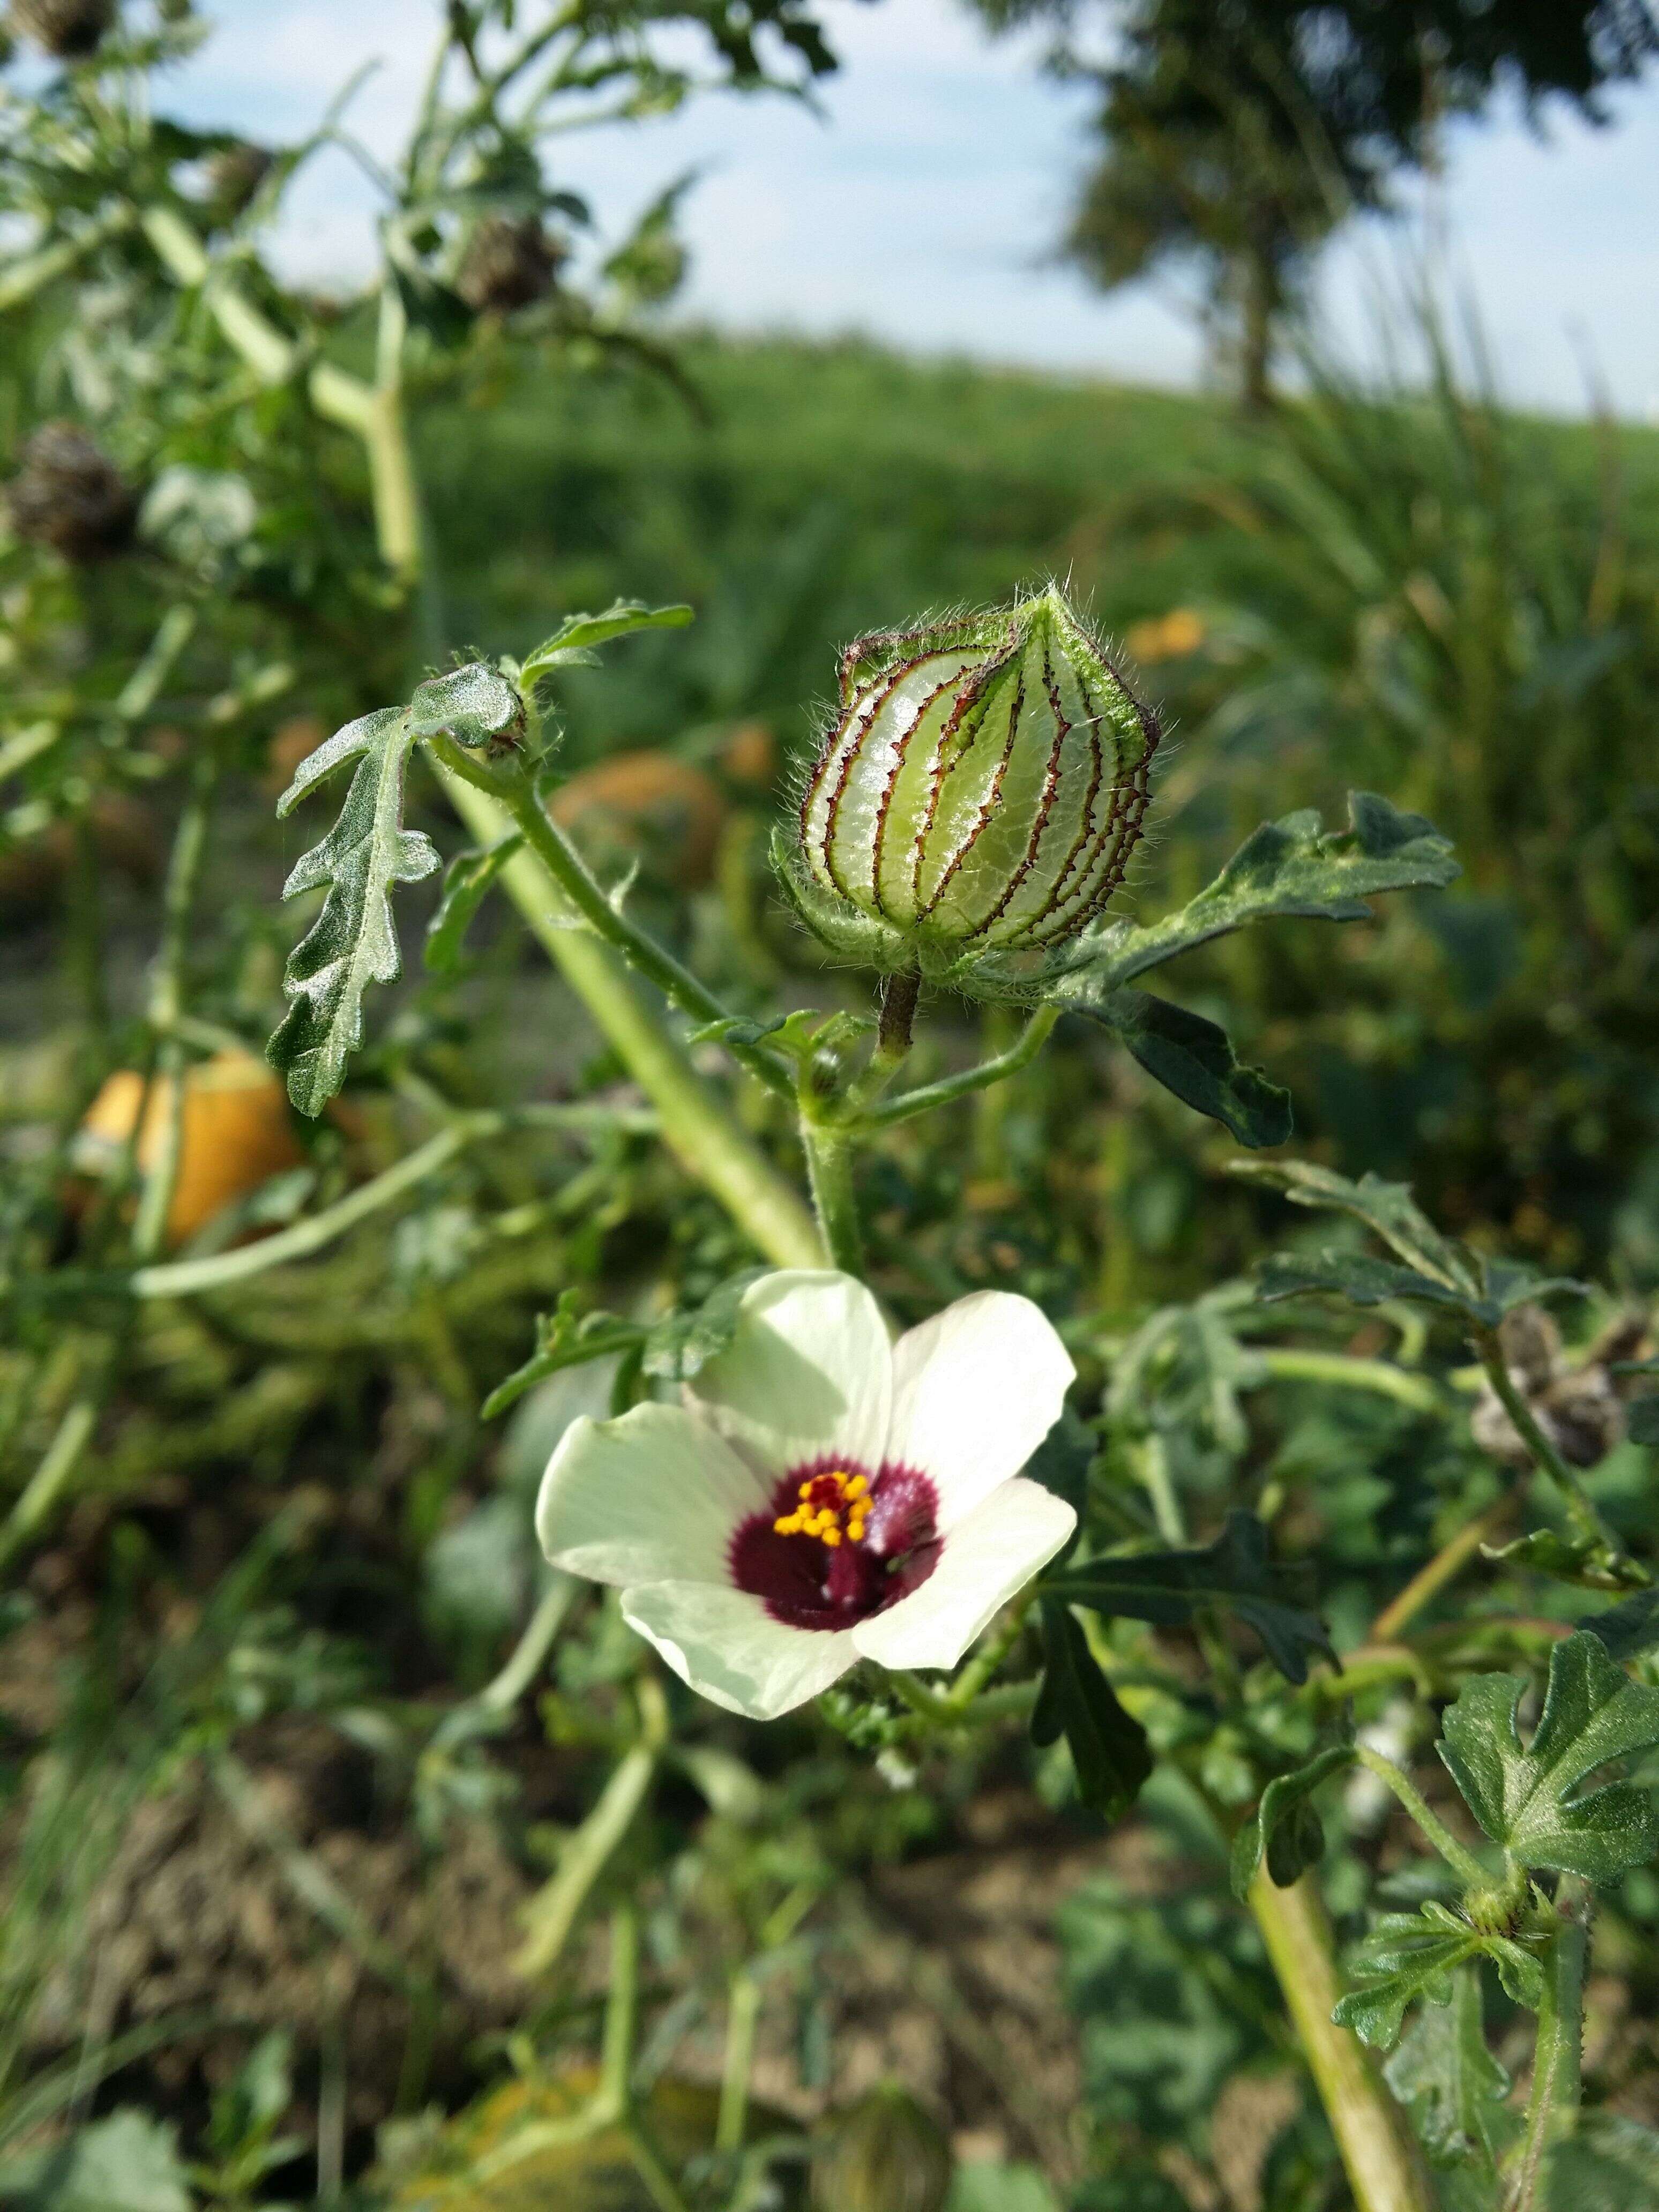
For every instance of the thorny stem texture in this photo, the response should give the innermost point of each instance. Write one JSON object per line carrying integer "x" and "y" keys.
{"x": 1383, "y": 2169}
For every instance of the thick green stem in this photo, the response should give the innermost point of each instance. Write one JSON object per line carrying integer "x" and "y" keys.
{"x": 594, "y": 911}
{"x": 829, "y": 1165}
{"x": 1379, "y": 2156}
{"x": 697, "y": 1124}
{"x": 1552, "y": 2107}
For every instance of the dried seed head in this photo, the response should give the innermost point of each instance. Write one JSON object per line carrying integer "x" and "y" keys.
{"x": 883, "y": 2154}
{"x": 67, "y": 494}
{"x": 70, "y": 29}
{"x": 234, "y": 174}
{"x": 984, "y": 784}
{"x": 507, "y": 264}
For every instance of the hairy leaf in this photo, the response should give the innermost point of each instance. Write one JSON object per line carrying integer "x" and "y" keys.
{"x": 1235, "y": 1572}
{"x": 1108, "y": 1747}
{"x": 1284, "y": 1826}
{"x": 474, "y": 705}
{"x": 1525, "y": 1798}
{"x": 1291, "y": 866}
{"x": 466, "y": 883}
{"x": 353, "y": 942}
{"x": 573, "y": 642}
{"x": 1359, "y": 1277}
{"x": 1455, "y": 2086}
{"x": 1387, "y": 1209}
{"x": 1434, "y": 1270}
{"x": 1194, "y": 1058}
{"x": 1409, "y": 1955}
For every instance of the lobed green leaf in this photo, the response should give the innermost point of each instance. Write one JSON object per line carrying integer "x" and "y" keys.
{"x": 1293, "y": 866}
{"x": 1110, "y": 1750}
{"x": 1525, "y": 1798}
{"x": 354, "y": 940}
{"x": 1165, "y": 1587}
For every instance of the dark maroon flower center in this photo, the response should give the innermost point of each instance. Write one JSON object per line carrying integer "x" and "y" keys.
{"x": 836, "y": 1544}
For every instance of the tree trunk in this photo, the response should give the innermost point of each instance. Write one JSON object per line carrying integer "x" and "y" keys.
{"x": 1260, "y": 304}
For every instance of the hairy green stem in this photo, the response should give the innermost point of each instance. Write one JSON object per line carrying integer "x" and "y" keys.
{"x": 949, "y": 1088}
{"x": 830, "y": 1167}
{"x": 552, "y": 1913}
{"x": 1552, "y": 2107}
{"x": 1462, "y": 1862}
{"x": 1379, "y": 2156}
{"x": 697, "y": 1124}
{"x": 600, "y": 915}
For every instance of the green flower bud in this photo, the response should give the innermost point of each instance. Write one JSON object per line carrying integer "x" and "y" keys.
{"x": 883, "y": 2154}
{"x": 981, "y": 790}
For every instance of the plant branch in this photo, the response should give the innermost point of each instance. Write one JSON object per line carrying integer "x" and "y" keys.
{"x": 1293, "y": 1363}
{"x": 185, "y": 1278}
{"x": 1462, "y": 1862}
{"x": 600, "y": 913}
{"x": 1448, "y": 1563}
{"x": 950, "y": 1088}
{"x": 697, "y": 1124}
{"x": 1586, "y": 1521}
{"x": 830, "y": 1169}
{"x": 1552, "y": 2107}
{"x": 1383, "y": 2169}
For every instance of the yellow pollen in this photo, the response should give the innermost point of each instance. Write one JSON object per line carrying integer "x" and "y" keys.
{"x": 842, "y": 1520}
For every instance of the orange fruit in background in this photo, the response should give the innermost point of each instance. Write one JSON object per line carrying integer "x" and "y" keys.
{"x": 749, "y": 754}
{"x": 1167, "y": 637}
{"x": 236, "y": 1133}
{"x": 651, "y": 803}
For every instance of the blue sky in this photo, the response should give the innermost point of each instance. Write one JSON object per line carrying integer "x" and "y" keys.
{"x": 921, "y": 206}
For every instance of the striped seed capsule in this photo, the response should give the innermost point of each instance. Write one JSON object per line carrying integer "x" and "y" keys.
{"x": 985, "y": 782}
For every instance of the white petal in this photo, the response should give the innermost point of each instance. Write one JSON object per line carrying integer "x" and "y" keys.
{"x": 652, "y": 1495}
{"x": 986, "y": 1559}
{"x": 809, "y": 1371}
{"x": 975, "y": 1391}
{"x": 726, "y": 1646}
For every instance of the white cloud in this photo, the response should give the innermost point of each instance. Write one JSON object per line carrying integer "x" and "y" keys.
{"x": 925, "y": 208}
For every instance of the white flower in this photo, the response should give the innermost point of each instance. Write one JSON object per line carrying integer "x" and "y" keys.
{"x": 822, "y": 1496}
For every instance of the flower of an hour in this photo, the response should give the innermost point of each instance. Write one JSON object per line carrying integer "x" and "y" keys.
{"x": 821, "y": 1495}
